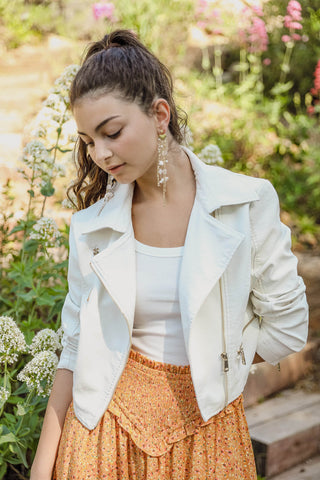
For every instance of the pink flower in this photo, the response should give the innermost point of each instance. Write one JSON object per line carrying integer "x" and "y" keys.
{"x": 295, "y": 26}
{"x": 103, "y": 10}
{"x": 257, "y": 10}
{"x": 294, "y": 10}
{"x": 254, "y": 34}
{"x": 286, "y": 38}
{"x": 258, "y": 35}
{"x": 290, "y": 23}
{"x": 208, "y": 18}
{"x": 316, "y": 90}
{"x": 292, "y": 20}
{"x": 310, "y": 110}
{"x": 267, "y": 62}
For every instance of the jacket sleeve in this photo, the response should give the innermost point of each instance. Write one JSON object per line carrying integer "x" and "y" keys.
{"x": 278, "y": 293}
{"x": 71, "y": 308}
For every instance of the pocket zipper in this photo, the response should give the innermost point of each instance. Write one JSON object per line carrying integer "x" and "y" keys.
{"x": 240, "y": 352}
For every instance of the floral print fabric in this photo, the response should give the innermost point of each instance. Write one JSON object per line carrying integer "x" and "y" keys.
{"x": 153, "y": 430}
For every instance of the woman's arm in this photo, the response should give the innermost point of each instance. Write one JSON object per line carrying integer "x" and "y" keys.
{"x": 278, "y": 293}
{"x": 59, "y": 401}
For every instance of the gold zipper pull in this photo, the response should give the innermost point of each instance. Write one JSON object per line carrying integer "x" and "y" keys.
{"x": 225, "y": 361}
{"x": 241, "y": 353}
{"x": 259, "y": 318}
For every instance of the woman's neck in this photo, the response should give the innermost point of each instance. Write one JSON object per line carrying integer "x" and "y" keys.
{"x": 180, "y": 177}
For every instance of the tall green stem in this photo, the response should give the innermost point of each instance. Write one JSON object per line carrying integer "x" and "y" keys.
{"x": 285, "y": 67}
{"x": 217, "y": 69}
{"x": 243, "y": 65}
{"x": 55, "y": 149}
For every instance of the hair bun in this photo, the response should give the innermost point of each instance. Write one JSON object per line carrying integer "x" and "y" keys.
{"x": 120, "y": 38}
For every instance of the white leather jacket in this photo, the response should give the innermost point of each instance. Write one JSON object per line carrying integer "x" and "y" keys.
{"x": 239, "y": 291}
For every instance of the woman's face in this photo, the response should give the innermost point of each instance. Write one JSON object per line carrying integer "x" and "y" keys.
{"x": 121, "y": 139}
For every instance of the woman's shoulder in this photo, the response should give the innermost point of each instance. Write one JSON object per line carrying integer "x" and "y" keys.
{"x": 225, "y": 175}
{"x": 225, "y": 181}
{"x": 236, "y": 188}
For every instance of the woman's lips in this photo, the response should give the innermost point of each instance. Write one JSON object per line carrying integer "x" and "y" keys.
{"x": 115, "y": 169}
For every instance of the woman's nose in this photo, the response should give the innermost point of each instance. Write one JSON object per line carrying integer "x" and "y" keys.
{"x": 102, "y": 152}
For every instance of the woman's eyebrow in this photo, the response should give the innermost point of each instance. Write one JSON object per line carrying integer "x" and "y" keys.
{"x": 101, "y": 124}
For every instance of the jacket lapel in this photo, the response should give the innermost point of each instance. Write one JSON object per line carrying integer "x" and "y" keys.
{"x": 210, "y": 244}
{"x": 115, "y": 264}
{"x": 116, "y": 268}
{"x": 209, "y": 247}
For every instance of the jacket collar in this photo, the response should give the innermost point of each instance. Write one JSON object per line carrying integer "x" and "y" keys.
{"x": 215, "y": 186}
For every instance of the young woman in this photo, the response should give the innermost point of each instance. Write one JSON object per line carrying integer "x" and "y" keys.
{"x": 180, "y": 276}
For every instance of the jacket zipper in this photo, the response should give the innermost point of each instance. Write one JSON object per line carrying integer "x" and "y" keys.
{"x": 241, "y": 350}
{"x": 224, "y": 354}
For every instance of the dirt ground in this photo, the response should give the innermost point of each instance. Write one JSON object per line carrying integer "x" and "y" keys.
{"x": 26, "y": 76}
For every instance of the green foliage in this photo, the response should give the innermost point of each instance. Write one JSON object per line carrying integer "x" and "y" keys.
{"x": 23, "y": 21}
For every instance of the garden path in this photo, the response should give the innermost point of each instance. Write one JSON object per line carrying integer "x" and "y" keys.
{"x": 26, "y": 75}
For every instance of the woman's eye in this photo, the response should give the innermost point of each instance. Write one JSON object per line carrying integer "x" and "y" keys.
{"x": 115, "y": 135}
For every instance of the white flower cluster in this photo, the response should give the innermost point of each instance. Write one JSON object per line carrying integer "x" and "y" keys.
{"x": 42, "y": 166}
{"x": 211, "y": 154}
{"x": 59, "y": 110}
{"x": 12, "y": 341}
{"x": 55, "y": 111}
{"x": 39, "y": 373}
{"x": 52, "y": 122}
{"x": 46, "y": 230}
{"x": 4, "y": 395}
{"x": 46, "y": 339}
{"x": 63, "y": 83}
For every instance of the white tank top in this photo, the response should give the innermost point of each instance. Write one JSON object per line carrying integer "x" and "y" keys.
{"x": 157, "y": 330}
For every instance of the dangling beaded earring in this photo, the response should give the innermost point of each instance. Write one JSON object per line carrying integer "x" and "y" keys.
{"x": 111, "y": 183}
{"x": 162, "y": 177}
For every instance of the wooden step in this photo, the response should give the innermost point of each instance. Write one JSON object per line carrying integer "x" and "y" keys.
{"x": 267, "y": 379}
{"x": 308, "y": 470}
{"x": 285, "y": 431}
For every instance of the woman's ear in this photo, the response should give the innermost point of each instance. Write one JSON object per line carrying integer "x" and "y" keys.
{"x": 161, "y": 112}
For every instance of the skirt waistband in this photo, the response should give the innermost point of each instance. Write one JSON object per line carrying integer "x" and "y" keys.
{"x": 154, "y": 365}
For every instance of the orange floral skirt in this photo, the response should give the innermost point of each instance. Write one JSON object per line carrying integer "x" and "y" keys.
{"x": 153, "y": 430}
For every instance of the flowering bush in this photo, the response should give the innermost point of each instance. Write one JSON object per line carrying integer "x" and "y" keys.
{"x": 23, "y": 394}
{"x": 33, "y": 281}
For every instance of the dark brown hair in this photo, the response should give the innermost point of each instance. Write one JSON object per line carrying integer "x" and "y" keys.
{"x": 118, "y": 63}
